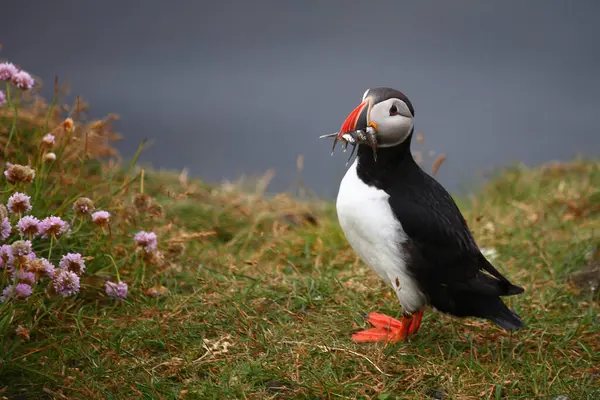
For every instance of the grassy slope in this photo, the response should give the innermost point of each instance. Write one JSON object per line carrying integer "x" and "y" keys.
{"x": 262, "y": 306}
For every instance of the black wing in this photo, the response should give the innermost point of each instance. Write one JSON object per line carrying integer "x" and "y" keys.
{"x": 442, "y": 250}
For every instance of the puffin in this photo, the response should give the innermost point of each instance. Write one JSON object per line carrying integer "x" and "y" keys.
{"x": 407, "y": 228}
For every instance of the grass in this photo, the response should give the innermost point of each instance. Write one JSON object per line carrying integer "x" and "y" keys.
{"x": 260, "y": 295}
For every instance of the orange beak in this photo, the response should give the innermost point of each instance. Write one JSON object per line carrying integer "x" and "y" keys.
{"x": 352, "y": 121}
{"x": 356, "y": 120}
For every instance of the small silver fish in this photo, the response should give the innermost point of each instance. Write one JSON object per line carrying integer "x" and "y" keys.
{"x": 355, "y": 138}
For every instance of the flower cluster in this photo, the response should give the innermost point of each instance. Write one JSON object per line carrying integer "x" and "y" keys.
{"x": 52, "y": 227}
{"x": 37, "y": 253}
{"x": 16, "y": 173}
{"x": 21, "y": 79}
{"x": 83, "y": 206}
{"x": 26, "y": 268}
{"x": 73, "y": 262}
{"x": 10, "y": 73}
{"x": 101, "y": 218}
{"x": 146, "y": 240}
{"x": 117, "y": 290}
{"x": 19, "y": 203}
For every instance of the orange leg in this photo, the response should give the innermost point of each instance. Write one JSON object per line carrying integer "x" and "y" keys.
{"x": 388, "y": 329}
{"x": 416, "y": 322}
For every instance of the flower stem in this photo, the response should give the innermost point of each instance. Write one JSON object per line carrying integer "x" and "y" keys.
{"x": 13, "y": 127}
{"x": 78, "y": 226}
{"x": 50, "y": 250}
{"x": 116, "y": 268}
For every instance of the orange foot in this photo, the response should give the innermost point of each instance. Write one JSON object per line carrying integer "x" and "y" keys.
{"x": 389, "y": 329}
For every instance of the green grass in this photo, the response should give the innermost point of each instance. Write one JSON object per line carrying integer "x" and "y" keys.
{"x": 261, "y": 308}
{"x": 259, "y": 301}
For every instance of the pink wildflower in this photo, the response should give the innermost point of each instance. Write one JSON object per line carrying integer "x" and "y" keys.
{"x": 22, "y": 290}
{"x": 147, "y": 240}
{"x": 2, "y": 98}
{"x": 52, "y": 226}
{"x": 21, "y": 248}
{"x": 19, "y": 203}
{"x": 7, "y": 70}
{"x": 49, "y": 269}
{"x": 40, "y": 267}
{"x": 19, "y": 291}
{"x": 5, "y": 228}
{"x": 65, "y": 283}
{"x": 117, "y": 290}
{"x": 16, "y": 173}
{"x": 24, "y": 277}
{"x": 73, "y": 262}
{"x": 28, "y": 226}
{"x": 83, "y": 206}
{"x": 48, "y": 139}
{"x": 101, "y": 218}
{"x": 6, "y": 255}
{"x": 23, "y": 80}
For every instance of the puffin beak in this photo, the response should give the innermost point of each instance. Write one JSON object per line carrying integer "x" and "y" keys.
{"x": 356, "y": 120}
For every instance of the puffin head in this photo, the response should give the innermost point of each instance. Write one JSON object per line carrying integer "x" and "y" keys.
{"x": 388, "y": 111}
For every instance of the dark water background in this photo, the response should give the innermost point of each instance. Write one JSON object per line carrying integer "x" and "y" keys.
{"x": 227, "y": 88}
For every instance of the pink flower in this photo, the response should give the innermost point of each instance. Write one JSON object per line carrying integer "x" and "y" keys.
{"x": 5, "y": 228}
{"x": 65, "y": 283}
{"x": 19, "y": 203}
{"x": 49, "y": 269}
{"x": 83, "y": 205}
{"x": 16, "y": 173}
{"x": 6, "y": 255}
{"x": 28, "y": 226}
{"x": 73, "y": 262}
{"x": 40, "y": 267}
{"x": 147, "y": 240}
{"x": 101, "y": 218}
{"x": 24, "y": 277}
{"x": 48, "y": 139}
{"x": 7, "y": 70}
{"x": 117, "y": 290}
{"x": 52, "y": 226}
{"x": 23, "y": 80}
{"x": 21, "y": 248}
{"x": 2, "y": 98}
{"x": 20, "y": 291}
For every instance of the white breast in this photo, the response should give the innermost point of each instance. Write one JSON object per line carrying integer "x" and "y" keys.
{"x": 376, "y": 235}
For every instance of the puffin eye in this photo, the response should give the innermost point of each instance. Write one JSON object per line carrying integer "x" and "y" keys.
{"x": 393, "y": 110}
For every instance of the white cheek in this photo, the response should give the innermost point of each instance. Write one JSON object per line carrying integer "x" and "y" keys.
{"x": 394, "y": 130}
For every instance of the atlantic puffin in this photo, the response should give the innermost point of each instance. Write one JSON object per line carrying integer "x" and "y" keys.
{"x": 406, "y": 227}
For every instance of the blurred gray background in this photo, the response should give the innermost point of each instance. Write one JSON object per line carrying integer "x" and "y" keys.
{"x": 227, "y": 88}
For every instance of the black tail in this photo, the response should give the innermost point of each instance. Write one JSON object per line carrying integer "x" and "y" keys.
{"x": 504, "y": 317}
{"x": 512, "y": 290}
